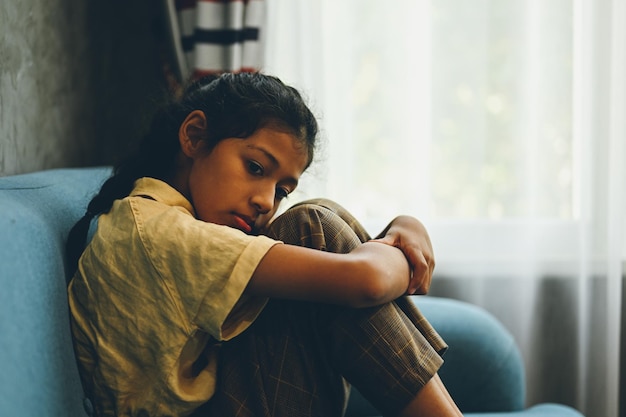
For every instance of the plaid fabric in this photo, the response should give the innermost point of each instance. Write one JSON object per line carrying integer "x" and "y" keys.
{"x": 219, "y": 35}
{"x": 297, "y": 358}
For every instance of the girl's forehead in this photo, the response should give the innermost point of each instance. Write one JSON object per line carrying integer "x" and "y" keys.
{"x": 299, "y": 135}
{"x": 282, "y": 147}
{"x": 279, "y": 137}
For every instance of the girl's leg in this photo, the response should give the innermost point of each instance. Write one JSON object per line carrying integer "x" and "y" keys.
{"x": 303, "y": 227}
{"x": 432, "y": 400}
{"x": 293, "y": 359}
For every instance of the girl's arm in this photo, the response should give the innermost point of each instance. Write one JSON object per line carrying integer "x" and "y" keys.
{"x": 371, "y": 274}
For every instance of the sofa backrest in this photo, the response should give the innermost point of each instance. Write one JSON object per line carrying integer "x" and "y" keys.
{"x": 38, "y": 375}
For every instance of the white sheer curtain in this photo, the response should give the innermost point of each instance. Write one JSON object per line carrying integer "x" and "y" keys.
{"x": 500, "y": 124}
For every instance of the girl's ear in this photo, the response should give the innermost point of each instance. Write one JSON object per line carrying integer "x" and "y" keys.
{"x": 192, "y": 132}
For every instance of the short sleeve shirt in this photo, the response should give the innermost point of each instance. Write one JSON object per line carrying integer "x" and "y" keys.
{"x": 155, "y": 293}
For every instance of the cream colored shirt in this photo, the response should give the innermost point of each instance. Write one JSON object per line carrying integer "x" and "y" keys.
{"x": 155, "y": 292}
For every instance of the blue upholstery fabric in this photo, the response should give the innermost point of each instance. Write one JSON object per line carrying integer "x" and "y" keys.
{"x": 483, "y": 369}
{"x": 39, "y": 376}
{"x": 540, "y": 410}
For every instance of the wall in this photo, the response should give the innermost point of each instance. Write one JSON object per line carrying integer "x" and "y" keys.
{"x": 77, "y": 80}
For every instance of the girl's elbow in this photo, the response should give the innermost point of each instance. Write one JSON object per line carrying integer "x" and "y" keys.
{"x": 378, "y": 278}
{"x": 375, "y": 290}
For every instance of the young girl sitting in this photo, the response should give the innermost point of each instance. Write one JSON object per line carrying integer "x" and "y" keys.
{"x": 192, "y": 300}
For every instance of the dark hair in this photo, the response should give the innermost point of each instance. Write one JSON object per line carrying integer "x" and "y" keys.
{"x": 235, "y": 106}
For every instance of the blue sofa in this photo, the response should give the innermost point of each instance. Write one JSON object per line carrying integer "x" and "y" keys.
{"x": 483, "y": 368}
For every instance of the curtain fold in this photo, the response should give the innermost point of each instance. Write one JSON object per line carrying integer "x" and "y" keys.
{"x": 215, "y": 36}
{"x": 501, "y": 125}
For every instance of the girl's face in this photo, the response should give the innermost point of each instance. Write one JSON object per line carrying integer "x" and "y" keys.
{"x": 241, "y": 182}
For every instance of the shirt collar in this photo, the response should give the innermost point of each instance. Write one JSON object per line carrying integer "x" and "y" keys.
{"x": 162, "y": 192}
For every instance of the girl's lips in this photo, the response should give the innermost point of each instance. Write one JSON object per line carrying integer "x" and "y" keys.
{"x": 242, "y": 224}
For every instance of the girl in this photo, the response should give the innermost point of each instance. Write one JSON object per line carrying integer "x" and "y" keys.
{"x": 169, "y": 303}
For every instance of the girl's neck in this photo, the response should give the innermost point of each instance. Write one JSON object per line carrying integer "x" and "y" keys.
{"x": 179, "y": 176}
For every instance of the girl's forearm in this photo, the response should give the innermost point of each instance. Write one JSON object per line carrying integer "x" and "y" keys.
{"x": 372, "y": 274}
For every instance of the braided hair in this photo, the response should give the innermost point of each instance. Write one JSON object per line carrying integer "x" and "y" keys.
{"x": 235, "y": 106}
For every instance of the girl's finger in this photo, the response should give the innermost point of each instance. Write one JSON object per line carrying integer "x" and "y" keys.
{"x": 385, "y": 239}
{"x": 422, "y": 276}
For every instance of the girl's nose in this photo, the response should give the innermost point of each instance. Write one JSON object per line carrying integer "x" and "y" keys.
{"x": 263, "y": 200}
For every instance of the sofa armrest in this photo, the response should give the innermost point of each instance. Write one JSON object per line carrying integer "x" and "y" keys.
{"x": 483, "y": 368}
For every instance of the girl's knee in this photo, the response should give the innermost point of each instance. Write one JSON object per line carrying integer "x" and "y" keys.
{"x": 322, "y": 202}
{"x": 319, "y": 224}
{"x": 340, "y": 211}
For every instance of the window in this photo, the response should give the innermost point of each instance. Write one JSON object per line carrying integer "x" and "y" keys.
{"x": 467, "y": 115}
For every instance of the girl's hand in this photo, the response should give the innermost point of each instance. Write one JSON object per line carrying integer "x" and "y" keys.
{"x": 410, "y": 236}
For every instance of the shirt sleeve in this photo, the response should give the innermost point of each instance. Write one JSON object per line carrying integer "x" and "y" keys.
{"x": 205, "y": 266}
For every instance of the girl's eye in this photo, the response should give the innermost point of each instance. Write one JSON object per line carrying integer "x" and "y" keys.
{"x": 255, "y": 168}
{"x": 281, "y": 193}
